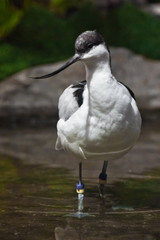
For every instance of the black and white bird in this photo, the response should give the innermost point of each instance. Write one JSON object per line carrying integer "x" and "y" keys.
{"x": 99, "y": 117}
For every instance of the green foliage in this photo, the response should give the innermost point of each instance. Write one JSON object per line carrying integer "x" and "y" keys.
{"x": 62, "y": 6}
{"x": 9, "y": 18}
{"x": 130, "y": 27}
{"x": 44, "y": 31}
{"x": 13, "y": 59}
{"x": 87, "y": 18}
{"x": 35, "y": 41}
{"x": 38, "y": 29}
{"x": 43, "y": 37}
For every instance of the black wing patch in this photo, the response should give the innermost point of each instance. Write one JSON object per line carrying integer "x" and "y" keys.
{"x": 78, "y": 93}
{"x": 130, "y": 91}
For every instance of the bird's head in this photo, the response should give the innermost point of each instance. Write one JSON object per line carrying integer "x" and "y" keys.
{"x": 88, "y": 45}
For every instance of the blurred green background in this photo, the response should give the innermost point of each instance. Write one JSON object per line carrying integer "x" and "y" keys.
{"x": 35, "y": 32}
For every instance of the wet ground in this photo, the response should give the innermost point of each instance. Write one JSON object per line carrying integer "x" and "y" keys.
{"x": 37, "y": 190}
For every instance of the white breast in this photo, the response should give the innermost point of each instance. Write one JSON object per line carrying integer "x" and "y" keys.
{"x": 104, "y": 129}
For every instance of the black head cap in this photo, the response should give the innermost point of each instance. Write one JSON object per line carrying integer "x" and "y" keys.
{"x": 87, "y": 40}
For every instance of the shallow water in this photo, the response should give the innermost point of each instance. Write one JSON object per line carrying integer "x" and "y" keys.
{"x": 37, "y": 191}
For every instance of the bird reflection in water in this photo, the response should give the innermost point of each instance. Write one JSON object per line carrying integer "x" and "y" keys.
{"x": 67, "y": 233}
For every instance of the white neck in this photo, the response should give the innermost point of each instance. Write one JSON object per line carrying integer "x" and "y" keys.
{"x": 99, "y": 78}
{"x": 97, "y": 63}
{"x": 96, "y": 69}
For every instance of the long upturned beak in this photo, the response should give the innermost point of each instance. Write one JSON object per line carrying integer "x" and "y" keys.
{"x": 74, "y": 59}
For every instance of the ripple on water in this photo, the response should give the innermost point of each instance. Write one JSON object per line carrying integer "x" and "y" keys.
{"x": 34, "y": 200}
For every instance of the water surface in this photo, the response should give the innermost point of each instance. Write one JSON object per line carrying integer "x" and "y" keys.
{"x": 37, "y": 191}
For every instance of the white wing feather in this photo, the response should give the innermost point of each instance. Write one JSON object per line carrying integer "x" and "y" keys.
{"x": 67, "y": 103}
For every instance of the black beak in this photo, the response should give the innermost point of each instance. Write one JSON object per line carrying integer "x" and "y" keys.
{"x": 74, "y": 59}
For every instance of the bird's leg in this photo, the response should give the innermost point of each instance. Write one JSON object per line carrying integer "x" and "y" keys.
{"x": 103, "y": 179}
{"x": 80, "y": 189}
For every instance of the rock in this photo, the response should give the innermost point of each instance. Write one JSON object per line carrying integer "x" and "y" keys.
{"x": 24, "y": 100}
{"x": 140, "y": 74}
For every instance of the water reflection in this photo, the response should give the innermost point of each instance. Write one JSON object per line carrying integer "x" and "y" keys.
{"x": 111, "y": 227}
{"x": 37, "y": 191}
{"x": 67, "y": 233}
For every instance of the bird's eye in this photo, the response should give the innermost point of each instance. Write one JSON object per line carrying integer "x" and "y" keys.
{"x": 90, "y": 45}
